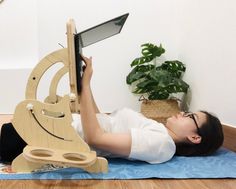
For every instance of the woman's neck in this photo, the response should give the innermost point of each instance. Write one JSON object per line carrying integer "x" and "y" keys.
{"x": 173, "y": 135}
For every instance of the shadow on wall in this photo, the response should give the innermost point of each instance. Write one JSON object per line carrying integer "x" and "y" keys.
{"x": 186, "y": 101}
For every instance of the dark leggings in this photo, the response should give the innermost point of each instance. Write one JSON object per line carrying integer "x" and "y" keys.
{"x": 11, "y": 144}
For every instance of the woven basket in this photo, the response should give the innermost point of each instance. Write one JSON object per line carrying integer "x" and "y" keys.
{"x": 159, "y": 110}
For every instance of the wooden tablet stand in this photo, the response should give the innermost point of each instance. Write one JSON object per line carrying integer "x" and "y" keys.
{"x": 46, "y": 126}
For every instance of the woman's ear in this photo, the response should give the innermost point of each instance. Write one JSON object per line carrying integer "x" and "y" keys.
{"x": 196, "y": 139}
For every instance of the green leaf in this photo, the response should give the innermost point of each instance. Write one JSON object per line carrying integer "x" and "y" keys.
{"x": 149, "y": 49}
{"x": 175, "y": 67}
{"x": 140, "y": 90}
{"x": 178, "y": 85}
{"x": 160, "y": 75}
{"x": 138, "y": 72}
{"x": 146, "y": 85}
{"x": 134, "y": 76}
{"x": 141, "y": 60}
{"x": 149, "y": 52}
{"x": 161, "y": 95}
{"x": 157, "y": 82}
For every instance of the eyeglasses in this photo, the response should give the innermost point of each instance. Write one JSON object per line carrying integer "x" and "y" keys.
{"x": 191, "y": 115}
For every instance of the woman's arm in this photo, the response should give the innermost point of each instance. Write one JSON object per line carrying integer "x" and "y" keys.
{"x": 94, "y": 135}
{"x": 94, "y": 103}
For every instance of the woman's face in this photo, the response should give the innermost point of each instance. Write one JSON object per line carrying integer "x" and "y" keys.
{"x": 184, "y": 126}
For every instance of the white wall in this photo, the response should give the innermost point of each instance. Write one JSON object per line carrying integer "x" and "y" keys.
{"x": 199, "y": 33}
{"x": 207, "y": 45}
{"x": 12, "y": 83}
{"x": 18, "y": 34}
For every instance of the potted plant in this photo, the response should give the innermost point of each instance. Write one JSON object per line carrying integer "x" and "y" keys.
{"x": 156, "y": 83}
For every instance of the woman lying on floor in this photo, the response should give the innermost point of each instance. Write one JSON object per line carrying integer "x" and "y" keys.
{"x": 128, "y": 134}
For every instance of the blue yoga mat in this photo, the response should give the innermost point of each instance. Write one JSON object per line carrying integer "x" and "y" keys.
{"x": 220, "y": 165}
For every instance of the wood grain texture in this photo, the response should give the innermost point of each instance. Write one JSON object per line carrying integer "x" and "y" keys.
{"x": 122, "y": 184}
{"x": 71, "y": 31}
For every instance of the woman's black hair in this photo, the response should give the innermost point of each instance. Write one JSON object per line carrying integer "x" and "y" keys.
{"x": 212, "y": 138}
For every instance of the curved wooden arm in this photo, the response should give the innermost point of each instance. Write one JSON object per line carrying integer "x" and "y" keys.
{"x": 37, "y": 73}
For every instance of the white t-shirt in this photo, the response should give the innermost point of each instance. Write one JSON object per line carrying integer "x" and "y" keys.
{"x": 150, "y": 140}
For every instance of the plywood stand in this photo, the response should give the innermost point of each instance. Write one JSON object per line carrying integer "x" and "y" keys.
{"x": 46, "y": 126}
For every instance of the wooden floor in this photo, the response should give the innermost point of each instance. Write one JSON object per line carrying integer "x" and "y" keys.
{"x": 230, "y": 142}
{"x": 121, "y": 184}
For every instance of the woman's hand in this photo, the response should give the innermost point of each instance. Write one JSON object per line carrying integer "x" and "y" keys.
{"x": 88, "y": 71}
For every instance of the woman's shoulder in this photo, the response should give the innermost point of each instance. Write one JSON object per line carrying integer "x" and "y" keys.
{"x": 127, "y": 111}
{"x": 124, "y": 109}
{"x": 151, "y": 146}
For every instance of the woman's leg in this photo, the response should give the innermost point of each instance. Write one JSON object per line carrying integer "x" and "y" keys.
{"x": 11, "y": 144}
